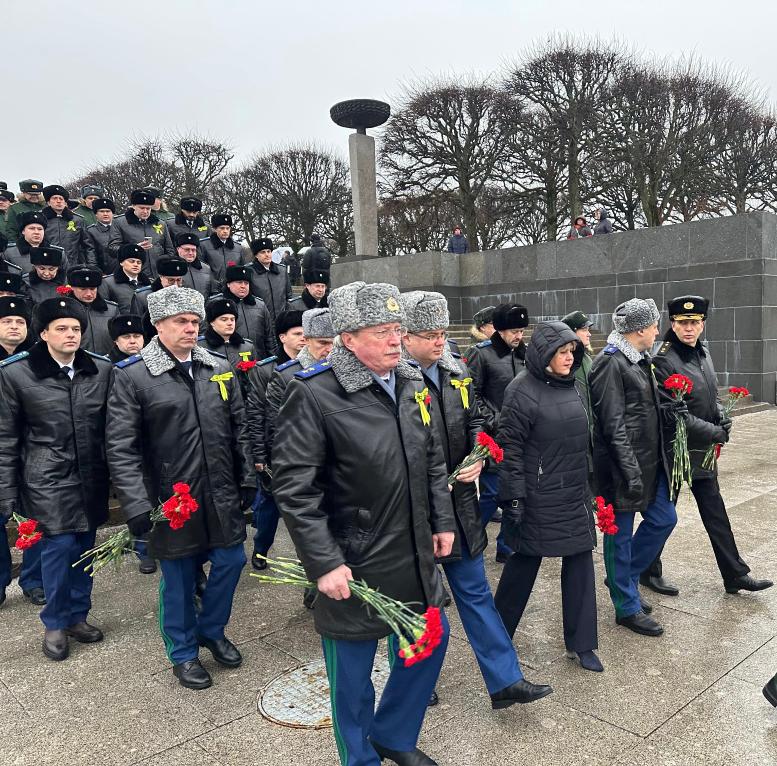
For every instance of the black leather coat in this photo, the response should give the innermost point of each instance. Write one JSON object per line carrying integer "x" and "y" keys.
{"x": 40, "y": 289}
{"x": 256, "y": 405}
{"x": 361, "y": 481}
{"x": 253, "y": 322}
{"x": 129, "y": 229}
{"x": 96, "y": 337}
{"x": 99, "y": 235}
{"x": 200, "y": 278}
{"x": 180, "y": 225}
{"x": 52, "y": 441}
{"x": 68, "y": 231}
{"x": 117, "y": 288}
{"x": 218, "y": 254}
{"x": 272, "y": 285}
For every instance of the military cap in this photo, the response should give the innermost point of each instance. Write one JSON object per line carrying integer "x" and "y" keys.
{"x": 287, "y": 320}
{"x": 10, "y": 282}
{"x": 61, "y": 307}
{"x": 358, "y": 304}
{"x": 55, "y": 189}
{"x": 175, "y": 300}
{"x": 30, "y": 185}
{"x": 9, "y": 195}
{"x": 30, "y": 217}
{"x": 92, "y": 190}
{"x": 186, "y": 238}
{"x": 172, "y": 267}
{"x": 192, "y": 204}
{"x": 84, "y": 276}
{"x": 425, "y": 311}
{"x": 237, "y": 273}
{"x": 315, "y": 276}
{"x": 125, "y": 324}
{"x": 141, "y": 197}
{"x": 577, "y": 320}
{"x": 317, "y": 323}
{"x": 218, "y": 307}
{"x": 46, "y": 256}
{"x": 220, "y": 219}
{"x": 510, "y": 316}
{"x": 3, "y": 185}
{"x": 14, "y": 306}
{"x": 688, "y": 307}
{"x": 484, "y": 316}
{"x": 131, "y": 251}
{"x": 152, "y": 190}
{"x": 263, "y": 243}
{"x": 103, "y": 203}
{"x": 635, "y": 314}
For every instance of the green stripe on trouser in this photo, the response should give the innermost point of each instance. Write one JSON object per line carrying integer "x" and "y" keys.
{"x": 393, "y": 650}
{"x": 168, "y": 641}
{"x": 330, "y": 658}
{"x": 609, "y": 566}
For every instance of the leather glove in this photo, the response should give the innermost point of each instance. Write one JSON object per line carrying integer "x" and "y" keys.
{"x": 634, "y": 490}
{"x": 726, "y": 424}
{"x": 247, "y": 497}
{"x": 139, "y": 526}
{"x": 512, "y": 516}
{"x": 679, "y": 408}
{"x": 721, "y": 435}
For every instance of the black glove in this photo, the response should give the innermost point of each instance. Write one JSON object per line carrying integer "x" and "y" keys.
{"x": 634, "y": 490}
{"x": 726, "y": 424}
{"x": 247, "y": 497}
{"x": 139, "y": 526}
{"x": 512, "y": 516}
{"x": 679, "y": 409}
{"x": 721, "y": 435}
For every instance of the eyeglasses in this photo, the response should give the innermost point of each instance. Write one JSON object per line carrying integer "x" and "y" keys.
{"x": 432, "y": 338}
{"x": 383, "y": 334}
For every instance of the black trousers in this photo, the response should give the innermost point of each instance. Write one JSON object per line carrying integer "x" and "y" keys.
{"x": 713, "y": 514}
{"x": 578, "y": 596}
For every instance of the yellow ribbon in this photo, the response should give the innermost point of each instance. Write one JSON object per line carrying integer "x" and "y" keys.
{"x": 461, "y": 385}
{"x": 157, "y": 227}
{"x": 420, "y": 398}
{"x": 244, "y": 355}
{"x": 220, "y": 380}
{"x": 71, "y": 226}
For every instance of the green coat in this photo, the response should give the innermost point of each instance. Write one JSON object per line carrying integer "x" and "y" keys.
{"x": 87, "y": 214}
{"x": 14, "y": 213}
{"x": 2, "y": 224}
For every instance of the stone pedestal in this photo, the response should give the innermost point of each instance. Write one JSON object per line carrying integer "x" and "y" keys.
{"x": 361, "y": 149}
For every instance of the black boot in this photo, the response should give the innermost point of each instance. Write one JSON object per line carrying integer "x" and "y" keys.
{"x": 770, "y": 691}
{"x": 433, "y": 699}
{"x": 192, "y": 675}
{"x": 35, "y": 596}
{"x": 659, "y": 585}
{"x": 747, "y": 583}
{"x": 85, "y": 633}
{"x": 223, "y": 651}
{"x": 147, "y": 565}
{"x": 640, "y": 623}
{"x": 55, "y": 644}
{"x": 403, "y": 758}
{"x": 520, "y": 692}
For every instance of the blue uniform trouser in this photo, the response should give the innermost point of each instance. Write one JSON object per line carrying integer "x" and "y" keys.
{"x": 628, "y": 553}
{"x": 266, "y": 517}
{"x": 180, "y": 625}
{"x": 489, "y": 490}
{"x": 68, "y": 589}
{"x": 487, "y": 636}
{"x": 397, "y": 721}
{"x": 30, "y": 576}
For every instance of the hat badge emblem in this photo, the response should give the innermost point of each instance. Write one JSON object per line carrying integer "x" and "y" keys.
{"x": 391, "y": 304}
{"x": 62, "y": 303}
{"x": 688, "y": 305}
{"x": 12, "y": 305}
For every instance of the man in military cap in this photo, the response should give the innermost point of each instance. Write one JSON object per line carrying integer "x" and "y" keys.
{"x": 96, "y": 336}
{"x": 6, "y": 200}
{"x": 313, "y": 295}
{"x": 253, "y": 318}
{"x": 52, "y": 461}
{"x": 683, "y": 352}
{"x": 171, "y": 272}
{"x": 361, "y": 482}
{"x": 493, "y": 364}
{"x": 457, "y": 419}
{"x": 99, "y": 233}
{"x": 482, "y": 327}
{"x": 177, "y": 411}
{"x": 33, "y": 234}
{"x": 66, "y": 229}
{"x": 630, "y": 467}
{"x": 269, "y": 281}
{"x": 199, "y": 277}
{"x": 140, "y": 226}
{"x": 122, "y": 286}
{"x": 47, "y": 274}
{"x": 221, "y": 336}
{"x": 85, "y": 209}
{"x": 189, "y": 220}
{"x": 159, "y": 206}
{"x": 31, "y": 201}
{"x": 126, "y": 331}
{"x": 581, "y": 325}
{"x": 219, "y": 249}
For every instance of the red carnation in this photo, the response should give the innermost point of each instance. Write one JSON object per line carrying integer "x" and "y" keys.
{"x": 64, "y": 290}
{"x": 245, "y": 365}
{"x": 180, "y": 488}
{"x": 605, "y": 517}
{"x": 231, "y": 263}
{"x": 28, "y": 541}
{"x": 679, "y": 383}
{"x": 28, "y": 527}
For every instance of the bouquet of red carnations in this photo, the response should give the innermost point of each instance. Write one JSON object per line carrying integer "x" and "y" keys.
{"x": 605, "y": 516}
{"x": 485, "y": 447}
{"x": 680, "y": 386}
{"x": 28, "y": 532}
{"x": 734, "y": 395}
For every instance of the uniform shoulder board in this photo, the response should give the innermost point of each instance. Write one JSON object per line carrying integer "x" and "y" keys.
{"x": 144, "y": 289}
{"x": 14, "y": 358}
{"x": 128, "y": 361}
{"x": 455, "y": 354}
{"x": 200, "y": 337}
{"x": 110, "y": 303}
{"x": 483, "y": 344}
{"x": 286, "y": 365}
{"x": 316, "y": 369}
{"x": 610, "y": 349}
{"x": 77, "y": 215}
{"x": 266, "y": 361}
{"x": 665, "y": 346}
{"x": 217, "y": 354}
{"x": 412, "y": 362}
{"x": 91, "y": 225}
{"x": 97, "y": 356}
{"x": 204, "y": 239}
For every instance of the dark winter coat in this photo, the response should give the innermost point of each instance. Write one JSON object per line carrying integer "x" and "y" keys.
{"x": 493, "y": 364}
{"x": 129, "y": 229}
{"x": 305, "y": 301}
{"x": 117, "y": 288}
{"x": 40, "y": 289}
{"x": 218, "y": 254}
{"x": 544, "y": 434}
{"x": 19, "y": 255}
{"x": 25, "y": 345}
{"x": 603, "y": 225}
{"x": 100, "y": 234}
{"x": 272, "y": 285}
{"x": 236, "y": 350}
{"x": 180, "y": 225}
{"x": 68, "y": 231}
{"x": 457, "y": 243}
{"x": 317, "y": 258}
{"x": 628, "y": 439}
{"x": 256, "y": 405}
{"x": 52, "y": 441}
{"x": 361, "y": 481}
{"x": 165, "y": 427}
{"x": 253, "y": 323}
{"x": 96, "y": 337}
{"x": 200, "y": 278}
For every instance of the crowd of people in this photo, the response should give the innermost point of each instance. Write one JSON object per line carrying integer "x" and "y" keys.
{"x": 169, "y": 355}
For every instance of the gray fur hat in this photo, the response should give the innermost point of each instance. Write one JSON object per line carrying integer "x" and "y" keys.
{"x": 635, "y": 314}
{"x": 175, "y": 300}
{"x": 317, "y": 323}
{"x": 358, "y": 304}
{"x": 425, "y": 311}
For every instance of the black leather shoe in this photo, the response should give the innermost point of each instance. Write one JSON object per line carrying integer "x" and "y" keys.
{"x": 501, "y": 557}
{"x": 85, "y": 633}
{"x": 35, "y": 596}
{"x": 659, "y": 585}
{"x": 747, "y": 583}
{"x": 497, "y": 517}
{"x": 770, "y": 691}
{"x": 404, "y": 758}
{"x": 640, "y": 623}
{"x": 55, "y": 644}
{"x": 147, "y": 565}
{"x": 646, "y": 607}
{"x": 192, "y": 675}
{"x": 521, "y": 692}
{"x": 433, "y": 700}
{"x": 258, "y": 564}
{"x": 223, "y": 651}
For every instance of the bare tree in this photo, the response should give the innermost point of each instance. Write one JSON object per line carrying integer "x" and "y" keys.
{"x": 414, "y": 224}
{"x": 199, "y": 163}
{"x": 243, "y": 193}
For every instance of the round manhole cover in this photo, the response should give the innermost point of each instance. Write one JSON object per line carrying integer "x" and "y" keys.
{"x": 300, "y": 697}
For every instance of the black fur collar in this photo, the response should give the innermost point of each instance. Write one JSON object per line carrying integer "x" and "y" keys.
{"x": 502, "y": 349}
{"x": 122, "y": 279}
{"x": 23, "y": 246}
{"x": 133, "y": 219}
{"x": 98, "y": 304}
{"x": 195, "y": 264}
{"x": 67, "y": 213}
{"x": 43, "y": 366}
{"x": 195, "y": 224}
{"x": 685, "y": 351}
{"x": 25, "y": 345}
{"x": 249, "y": 300}
{"x": 214, "y": 340}
{"x": 260, "y": 268}
{"x": 312, "y": 303}
{"x": 59, "y": 279}
{"x": 229, "y": 243}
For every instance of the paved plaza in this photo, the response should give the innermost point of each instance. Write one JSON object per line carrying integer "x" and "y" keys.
{"x": 692, "y": 696}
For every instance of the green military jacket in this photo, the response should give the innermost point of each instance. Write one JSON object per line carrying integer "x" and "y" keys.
{"x": 87, "y": 214}
{"x": 17, "y": 210}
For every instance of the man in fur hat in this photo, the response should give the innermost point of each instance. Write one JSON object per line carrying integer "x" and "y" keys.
{"x": 96, "y": 337}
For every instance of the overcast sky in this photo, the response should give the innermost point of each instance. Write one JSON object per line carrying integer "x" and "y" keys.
{"x": 82, "y": 77}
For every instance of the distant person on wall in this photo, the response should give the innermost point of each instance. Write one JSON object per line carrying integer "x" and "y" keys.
{"x": 603, "y": 223}
{"x": 457, "y": 243}
{"x": 580, "y": 229}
